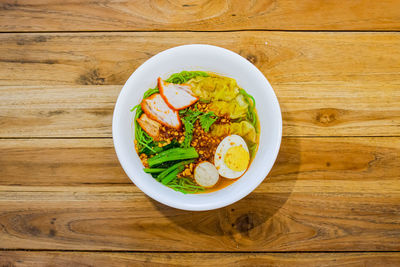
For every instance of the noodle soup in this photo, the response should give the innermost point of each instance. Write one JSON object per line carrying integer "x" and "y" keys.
{"x": 196, "y": 132}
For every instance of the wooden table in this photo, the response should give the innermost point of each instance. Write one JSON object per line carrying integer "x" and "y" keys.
{"x": 332, "y": 198}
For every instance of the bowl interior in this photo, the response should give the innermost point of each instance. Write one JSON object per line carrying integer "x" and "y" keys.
{"x": 206, "y": 58}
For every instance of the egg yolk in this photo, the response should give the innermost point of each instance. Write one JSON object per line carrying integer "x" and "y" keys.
{"x": 237, "y": 158}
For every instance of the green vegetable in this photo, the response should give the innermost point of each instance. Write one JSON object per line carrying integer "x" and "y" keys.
{"x": 188, "y": 132}
{"x": 189, "y": 116}
{"x": 173, "y": 154}
{"x": 154, "y": 170}
{"x": 156, "y": 149}
{"x": 172, "y": 175}
{"x": 207, "y": 119}
{"x": 172, "y": 168}
{"x": 169, "y": 178}
{"x": 185, "y": 76}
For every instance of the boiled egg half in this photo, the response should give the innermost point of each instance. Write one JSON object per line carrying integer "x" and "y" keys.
{"x": 232, "y": 157}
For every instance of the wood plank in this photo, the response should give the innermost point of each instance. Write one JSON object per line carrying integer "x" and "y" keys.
{"x": 88, "y": 15}
{"x": 122, "y": 218}
{"x": 59, "y": 162}
{"x": 284, "y": 57}
{"x": 312, "y": 164}
{"x": 324, "y": 194}
{"x": 31, "y": 259}
{"x": 57, "y": 111}
{"x": 347, "y": 109}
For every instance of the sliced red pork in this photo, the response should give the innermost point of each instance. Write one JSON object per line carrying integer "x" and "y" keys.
{"x": 177, "y": 96}
{"x": 156, "y": 108}
{"x": 151, "y": 127}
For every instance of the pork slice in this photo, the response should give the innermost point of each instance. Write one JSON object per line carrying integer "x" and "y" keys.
{"x": 151, "y": 127}
{"x": 156, "y": 108}
{"x": 177, "y": 96}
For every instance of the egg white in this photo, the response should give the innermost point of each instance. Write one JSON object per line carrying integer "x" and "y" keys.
{"x": 220, "y": 153}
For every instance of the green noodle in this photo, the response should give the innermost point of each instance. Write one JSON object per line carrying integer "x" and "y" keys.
{"x": 251, "y": 113}
{"x": 142, "y": 138}
{"x": 185, "y": 76}
{"x": 185, "y": 185}
{"x": 147, "y": 145}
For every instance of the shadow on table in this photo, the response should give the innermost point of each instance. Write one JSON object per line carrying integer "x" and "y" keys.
{"x": 252, "y": 216}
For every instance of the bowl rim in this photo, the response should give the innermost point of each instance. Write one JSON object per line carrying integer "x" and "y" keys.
{"x": 203, "y": 206}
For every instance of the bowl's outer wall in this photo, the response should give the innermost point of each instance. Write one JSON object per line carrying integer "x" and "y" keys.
{"x": 206, "y": 58}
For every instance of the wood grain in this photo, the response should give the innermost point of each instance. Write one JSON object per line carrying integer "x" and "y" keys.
{"x": 32, "y": 259}
{"x": 205, "y": 15}
{"x": 342, "y": 59}
{"x": 123, "y": 218}
{"x": 323, "y": 194}
{"x": 335, "y": 185}
{"x": 314, "y": 164}
{"x": 57, "y": 111}
{"x": 86, "y": 111}
{"x": 59, "y": 162}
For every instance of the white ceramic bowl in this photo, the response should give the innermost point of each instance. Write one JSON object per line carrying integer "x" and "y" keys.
{"x": 207, "y": 58}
